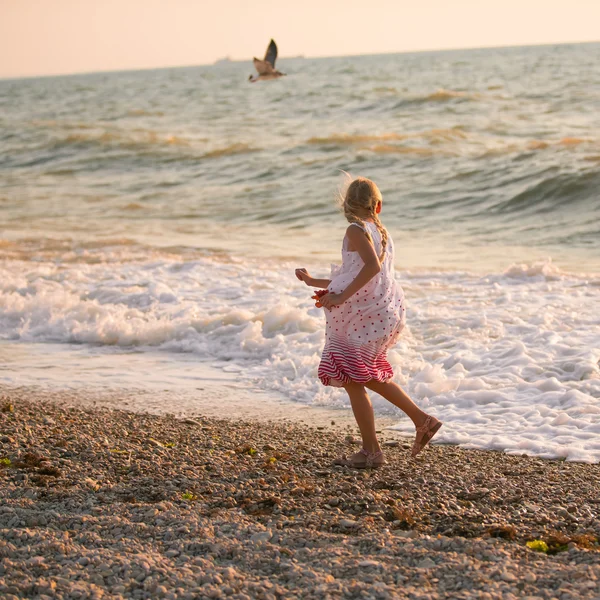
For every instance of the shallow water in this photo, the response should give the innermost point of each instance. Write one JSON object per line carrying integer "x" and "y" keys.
{"x": 164, "y": 212}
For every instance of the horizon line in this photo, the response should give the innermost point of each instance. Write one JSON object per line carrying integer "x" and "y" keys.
{"x": 305, "y": 57}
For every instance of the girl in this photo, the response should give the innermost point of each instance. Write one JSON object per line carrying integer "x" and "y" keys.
{"x": 364, "y": 317}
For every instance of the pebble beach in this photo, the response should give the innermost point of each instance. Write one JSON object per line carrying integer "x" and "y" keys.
{"x": 104, "y": 503}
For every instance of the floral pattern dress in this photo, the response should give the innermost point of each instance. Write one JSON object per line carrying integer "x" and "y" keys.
{"x": 361, "y": 330}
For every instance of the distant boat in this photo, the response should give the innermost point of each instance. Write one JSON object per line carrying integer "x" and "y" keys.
{"x": 266, "y": 67}
{"x": 223, "y": 61}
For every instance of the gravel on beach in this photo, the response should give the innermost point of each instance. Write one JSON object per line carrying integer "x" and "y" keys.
{"x": 98, "y": 503}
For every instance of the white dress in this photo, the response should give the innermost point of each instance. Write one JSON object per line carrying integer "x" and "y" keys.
{"x": 360, "y": 331}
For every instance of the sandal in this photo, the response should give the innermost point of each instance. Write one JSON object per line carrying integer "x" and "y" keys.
{"x": 368, "y": 463}
{"x": 425, "y": 433}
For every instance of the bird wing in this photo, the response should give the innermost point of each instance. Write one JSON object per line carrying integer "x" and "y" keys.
{"x": 271, "y": 53}
{"x": 263, "y": 67}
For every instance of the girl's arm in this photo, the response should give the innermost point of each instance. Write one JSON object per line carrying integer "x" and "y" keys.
{"x": 320, "y": 283}
{"x": 302, "y": 275}
{"x": 359, "y": 241}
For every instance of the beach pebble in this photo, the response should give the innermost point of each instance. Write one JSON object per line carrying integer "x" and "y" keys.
{"x": 114, "y": 524}
{"x": 261, "y": 536}
{"x": 369, "y": 564}
{"x": 349, "y": 523}
{"x": 426, "y": 563}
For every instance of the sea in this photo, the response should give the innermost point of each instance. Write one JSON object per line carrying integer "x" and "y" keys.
{"x": 151, "y": 222}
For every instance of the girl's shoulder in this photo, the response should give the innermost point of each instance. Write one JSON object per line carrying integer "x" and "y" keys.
{"x": 359, "y": 225}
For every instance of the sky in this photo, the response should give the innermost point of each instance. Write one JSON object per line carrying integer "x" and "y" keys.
{"x": 48, "y": 37}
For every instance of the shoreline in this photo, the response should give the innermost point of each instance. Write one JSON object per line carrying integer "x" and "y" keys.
{"x": 219, "y": 397}
{"x": 98, "y": 502}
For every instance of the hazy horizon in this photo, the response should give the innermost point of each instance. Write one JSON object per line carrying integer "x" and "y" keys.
{"x": 283, "y": 58}
{"x": 80, "y": 36}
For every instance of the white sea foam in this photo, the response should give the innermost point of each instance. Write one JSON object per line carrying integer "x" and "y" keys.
{"x": 508, "y": 361}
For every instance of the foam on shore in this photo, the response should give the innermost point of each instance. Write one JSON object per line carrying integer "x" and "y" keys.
{"x": 509, "y": 361}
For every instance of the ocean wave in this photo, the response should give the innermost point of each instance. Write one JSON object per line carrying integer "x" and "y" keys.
{"x": 231, "y": 150}
{"x": 61, "y": 125}
{"x": 393, "y": 149}
{"x": 432, "y": 135}
{"x": 67, "y": 250}
{"x": 347, "y": 139}
{"x": 559, "y": 192}
{"x": 138, "y": 140}
{"x": 443, "y": 95}
{"x": 441, "y": 141}
{"x": 507, "y": 360}
{"x": 566, "y": 142}
{"x": 134, "y": 140}
{"x": 140, "y": 112}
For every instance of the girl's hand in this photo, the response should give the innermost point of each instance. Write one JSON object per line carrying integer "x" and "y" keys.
{"x": 303, "y": 275}
{"x": 330, "y": 300}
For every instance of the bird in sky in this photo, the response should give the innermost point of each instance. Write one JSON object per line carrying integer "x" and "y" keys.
{"x": 266, "y": 67}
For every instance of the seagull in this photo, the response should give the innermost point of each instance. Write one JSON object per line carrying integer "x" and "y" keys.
{"x": 266, "y": 67}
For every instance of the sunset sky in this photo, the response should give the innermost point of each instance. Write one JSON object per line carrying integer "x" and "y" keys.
{"x": 45, "y": 37}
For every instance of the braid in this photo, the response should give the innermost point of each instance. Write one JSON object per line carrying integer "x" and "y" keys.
{"x": 382, "y": 232}
{"x": 354, "y": 218}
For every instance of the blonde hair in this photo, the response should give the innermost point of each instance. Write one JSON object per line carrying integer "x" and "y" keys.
{"x": 359, "y": 203}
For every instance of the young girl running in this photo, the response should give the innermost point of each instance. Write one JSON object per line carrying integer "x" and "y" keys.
{"x": 364, "y": 317}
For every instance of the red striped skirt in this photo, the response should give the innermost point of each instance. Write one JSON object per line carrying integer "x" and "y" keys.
{"x": 345, "y": 362}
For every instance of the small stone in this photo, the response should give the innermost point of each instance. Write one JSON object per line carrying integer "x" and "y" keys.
{"x": 172, "y": 553}
{"x": 508, "y": 577}
{"x": 530, "y": 577}
{"x": 411, "y": 533}
{"x": 84, "y": 561}
{"x": 349, "y": 523}
{"x": 391, "y": 443}
{"x": 366, "y": 564}
{"x": 261, "y": 537}
{"x": 426, "y": 563}
{"x": 90, "y": 483}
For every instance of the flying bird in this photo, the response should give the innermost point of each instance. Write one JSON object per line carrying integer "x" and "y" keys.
{"x": 266, "y": 67}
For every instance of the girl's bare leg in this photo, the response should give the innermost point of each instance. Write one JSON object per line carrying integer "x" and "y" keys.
{"x": 393, "y": 393}
{"x": 363, "y": 413}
